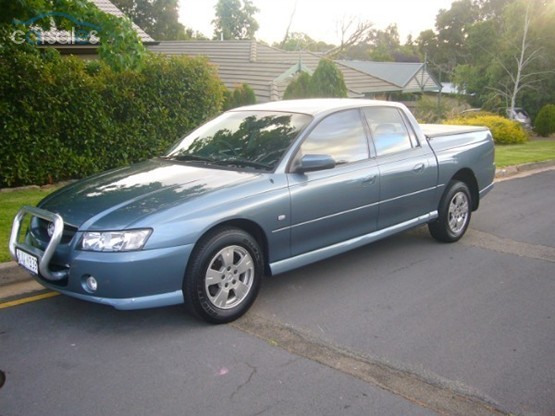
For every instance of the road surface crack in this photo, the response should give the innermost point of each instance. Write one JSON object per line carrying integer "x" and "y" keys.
{"x": 249, "y": 379}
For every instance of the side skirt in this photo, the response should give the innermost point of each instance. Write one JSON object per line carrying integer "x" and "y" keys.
{"x": 300, "y": 260}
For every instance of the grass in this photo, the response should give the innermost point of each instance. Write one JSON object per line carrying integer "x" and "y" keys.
{"x": 11, "y": 201}
{"x": 517, "y": 154}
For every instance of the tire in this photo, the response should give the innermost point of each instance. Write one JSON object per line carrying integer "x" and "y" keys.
{"x": 224, "y": 275}
{"x": 454, "y": 213}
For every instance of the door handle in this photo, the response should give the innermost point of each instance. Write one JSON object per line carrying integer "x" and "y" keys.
{"x": 369, "y": 180}
{"x": 418, "y": 168}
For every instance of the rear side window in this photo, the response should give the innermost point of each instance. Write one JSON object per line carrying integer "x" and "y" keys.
{"x": 340, "y": 135}
{"x": 389, "y": 131}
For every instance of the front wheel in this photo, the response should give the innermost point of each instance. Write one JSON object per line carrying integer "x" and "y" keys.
{"x": 454, "y": 213}
{"x": 224, "y": 275}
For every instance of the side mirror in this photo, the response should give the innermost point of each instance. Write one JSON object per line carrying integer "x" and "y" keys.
{"x": 311, "y": 163}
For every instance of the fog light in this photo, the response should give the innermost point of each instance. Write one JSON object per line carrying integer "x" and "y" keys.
{"x": 91, "y": 284}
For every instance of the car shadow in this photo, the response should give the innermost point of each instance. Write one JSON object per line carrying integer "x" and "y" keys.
{"x": 379, "y": 257}
{"x": 370, "y": 262}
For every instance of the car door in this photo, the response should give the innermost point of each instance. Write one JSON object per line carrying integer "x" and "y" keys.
{"x": 333, "y": 205}
{"x": 407, "y": 169}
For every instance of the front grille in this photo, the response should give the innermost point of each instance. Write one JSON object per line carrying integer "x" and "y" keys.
{"x": 30, "y": 234}
{"x": 40, "y": 231}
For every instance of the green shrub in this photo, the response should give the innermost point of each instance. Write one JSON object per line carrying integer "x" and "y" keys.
{"x": 327, "y": 81}
{"x": 544, "y": 124}
{"x": 299, "y": 87}
{"x": 503, "y": 130}
{"x": 242, "y": 95}
{"x": 428, "y": 110}
{"x": 64, "y": 118}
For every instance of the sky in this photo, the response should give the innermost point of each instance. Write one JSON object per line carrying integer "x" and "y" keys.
{"x": 319, "y": 18}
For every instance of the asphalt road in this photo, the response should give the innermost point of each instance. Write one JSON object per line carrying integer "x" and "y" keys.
{"x": 406, "y": 326}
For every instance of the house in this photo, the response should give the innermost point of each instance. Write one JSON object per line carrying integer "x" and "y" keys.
{"x": 409, "y": 77}
{"x": 108, "y": 7}
{"x": 267, "y": 70}
{"x": 64, "y": 41}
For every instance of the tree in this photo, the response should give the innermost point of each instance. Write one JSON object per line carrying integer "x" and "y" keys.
{"x": 523, "y": 57}
{"x": 543, "y": 33}
{"x": 385, "y": 46}
{"x": 520, "y": 75}
{"x": 158, "y": 18}
{"x": 299, "y": 87}
{"x": 384, "y": 43}
{"x": 512, "y": 54}
{"x": 286, "y": 37}
{"x": 120, "y": 46}
{"x": 545, "y": 121}
{"x": 475, "y": 76}
{"x": 453, "y": 26}
{"x": 351, "y": 32}
{"x": 446, "y": 48}
{"x": 492, "y": 9}
{"x": 297, "y": 41}
{"x": 241, "y": 95}
{"x": 326, "y": 82}
{"x": 235, "y": 20}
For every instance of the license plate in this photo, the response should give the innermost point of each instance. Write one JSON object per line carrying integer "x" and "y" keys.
{"x": 28, "y": 261}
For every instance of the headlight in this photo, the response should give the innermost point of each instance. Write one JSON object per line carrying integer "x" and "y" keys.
{"x": 115, "y": 240}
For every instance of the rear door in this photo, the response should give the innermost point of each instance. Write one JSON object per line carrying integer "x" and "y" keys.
{"x": 334, "y": 205}
{"x": 407, "y": 168}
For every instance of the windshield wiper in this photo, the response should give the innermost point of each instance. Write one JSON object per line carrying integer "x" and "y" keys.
{"x": 189, "y": 158}
{"x": 225, "y": 162}
{"x": 243, "y": 162}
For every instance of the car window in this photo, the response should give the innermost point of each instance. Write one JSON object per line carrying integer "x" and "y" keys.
{"x": 340, "y": 135}
{"x": 253, "y": 139}
{"x": 389, "y": 131}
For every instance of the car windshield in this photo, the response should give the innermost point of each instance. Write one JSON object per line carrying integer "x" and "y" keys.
{"x": 252, "y": 139}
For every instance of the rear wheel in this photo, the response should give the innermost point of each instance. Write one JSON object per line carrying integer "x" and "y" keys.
{"x": 224, "y": 276}
{"x": 454, "y": 213}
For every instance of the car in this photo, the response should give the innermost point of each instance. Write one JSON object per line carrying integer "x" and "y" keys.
{"x": 520, "y": 115}
{"x": 259, "y": 190}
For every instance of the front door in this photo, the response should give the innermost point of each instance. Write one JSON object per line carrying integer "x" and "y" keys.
{"x": 334, "y": 205}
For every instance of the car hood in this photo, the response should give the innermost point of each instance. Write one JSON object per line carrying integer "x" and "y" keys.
{"x": 117, "y": 199}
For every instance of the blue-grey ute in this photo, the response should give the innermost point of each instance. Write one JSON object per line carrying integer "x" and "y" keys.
{"x": 259, "y": 190}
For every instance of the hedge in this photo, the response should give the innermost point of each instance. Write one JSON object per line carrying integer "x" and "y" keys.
{"x": 240, "y": 96}
{"x": 545, "y": 121}
{"x": 503, "y": 130}
{"x": 64, "y": 118}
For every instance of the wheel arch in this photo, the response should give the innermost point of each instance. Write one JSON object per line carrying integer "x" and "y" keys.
{"x": 467, "y": 176}
{"x": 249, "y": 227}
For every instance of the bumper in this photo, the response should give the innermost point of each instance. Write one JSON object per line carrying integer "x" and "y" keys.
{"x": 124, "y": 280}
{"x": 143, "y": 302}
{"x": 131, "y": 280}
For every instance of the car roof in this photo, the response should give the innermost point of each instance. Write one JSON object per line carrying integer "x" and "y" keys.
{"x": 314, "y": 106}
